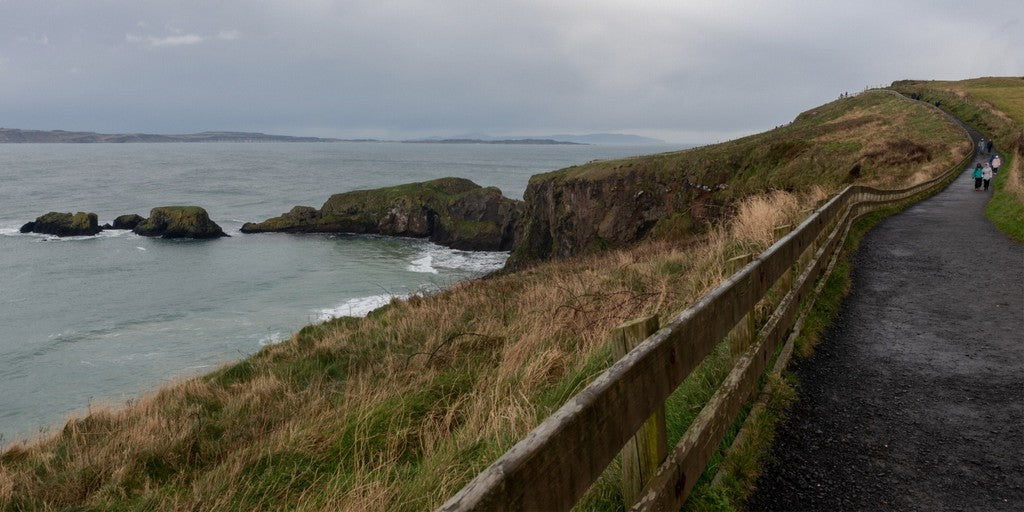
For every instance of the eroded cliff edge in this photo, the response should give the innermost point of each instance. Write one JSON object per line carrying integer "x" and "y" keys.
{"x": 875, "y": 138}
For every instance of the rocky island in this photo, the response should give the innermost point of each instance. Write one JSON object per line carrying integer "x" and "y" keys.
{"x": 163, "y": 221}
{"x": 449, "y": 211}
{"x": 64, "y": 224}
{"x": 179, "y": 222}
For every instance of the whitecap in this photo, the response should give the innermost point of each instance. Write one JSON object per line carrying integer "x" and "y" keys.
{"x": 423, "y": 264}
{"x": 273, "y": 338}
{"x": 433, "y": 257}
{"x": 140, "y": 248}
{"x": 359, "y": 306}
{"x": 114, "y": 233}
{"x": 471, "y": 261}
{"x": 106, "y": 233}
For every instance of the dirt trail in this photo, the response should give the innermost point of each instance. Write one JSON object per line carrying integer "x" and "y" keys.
{"x": 914, "y": 400}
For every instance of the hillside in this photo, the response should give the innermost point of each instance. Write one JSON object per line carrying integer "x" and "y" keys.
{"x": 995, "y": 106}
{"x": 398, "y": 410}
{"x": 874, "y": 138}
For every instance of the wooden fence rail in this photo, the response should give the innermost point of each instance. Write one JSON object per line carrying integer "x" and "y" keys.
{"x": 555, "y": 464}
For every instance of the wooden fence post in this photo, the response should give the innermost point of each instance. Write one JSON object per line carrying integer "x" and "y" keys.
{"x": 786, "y": 281}
{"x": 742, "y": 334}
{"x": 642, "y": 454}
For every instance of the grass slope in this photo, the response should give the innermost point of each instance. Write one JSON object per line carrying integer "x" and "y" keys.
{"x": 398, "y": 410}
{"x": 869, "y": 138}
{"x": 995, "y": 106}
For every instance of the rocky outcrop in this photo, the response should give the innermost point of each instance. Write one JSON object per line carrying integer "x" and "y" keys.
{"x": 64, "y": 224}
{"x": 127, "y": 221}
{"x": 567, "y": 214}
{"x": 450, "y": 211}
{"x": 179, "y": 222}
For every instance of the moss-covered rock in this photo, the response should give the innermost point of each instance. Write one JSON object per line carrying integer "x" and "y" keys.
{"x": 179, "y": 222}
{"x": 127, "y": 221}
{"x": 451, "y": 211}
{"x": 64, "y": 224}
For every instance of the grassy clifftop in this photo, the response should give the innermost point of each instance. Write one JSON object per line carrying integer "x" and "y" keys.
{"x": 994, "y": 106}
{"x": 398, "y": 410}
{"x": 887, "y": 135}
{"x": 876, "y": 138}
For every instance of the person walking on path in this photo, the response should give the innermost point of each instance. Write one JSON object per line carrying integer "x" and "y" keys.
{"x": 977, "y": 176}
{"x": 996, "y": 164}
{"x": 986, "y": 176}
{"x": 981, "y": 145}
{"x": 988, "y": 146}
{"x": 912, "y": 400}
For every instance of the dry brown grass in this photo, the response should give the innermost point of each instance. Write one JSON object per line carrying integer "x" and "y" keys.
{"x": 398, "y": 410}
{"x": 203, "y": 443}
{"x": 758, "y": 216}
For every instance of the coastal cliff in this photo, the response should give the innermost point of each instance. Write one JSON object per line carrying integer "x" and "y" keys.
{"x": 449, "y": 211}
{"x": 442, "y": 384}
{"x": 567, "y": 214}
{"x": 611, "y": 204}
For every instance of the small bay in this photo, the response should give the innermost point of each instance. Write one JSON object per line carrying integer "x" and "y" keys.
{"x": 98, "y": 320}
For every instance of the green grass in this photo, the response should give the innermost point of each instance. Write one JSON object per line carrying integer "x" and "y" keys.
{"x": 994, "y": 106}
{"x": 740, "y": 465}
{"x": 788, "y": 157}
{"x": 398, "y": 410}
{"x": 874, "y": 138}
{"x": 1006, "y": 209}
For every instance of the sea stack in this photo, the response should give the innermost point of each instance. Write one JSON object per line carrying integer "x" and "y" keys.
{"x": 64, "y": 224}
{"x": 179, "y": 222}
{"x": 128, "y": 221}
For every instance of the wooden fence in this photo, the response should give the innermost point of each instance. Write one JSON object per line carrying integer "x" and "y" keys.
{"x": 555, "y": 464}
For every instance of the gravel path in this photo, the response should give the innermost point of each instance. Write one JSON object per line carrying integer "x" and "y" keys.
{"x": 914, "y": 400}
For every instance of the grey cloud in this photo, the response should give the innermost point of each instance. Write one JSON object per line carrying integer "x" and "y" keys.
{"x": 347, "y": 68}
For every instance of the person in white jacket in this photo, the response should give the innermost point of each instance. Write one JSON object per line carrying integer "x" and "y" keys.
{"x": 996, "y": 164}
{"x": 986, "y": 175}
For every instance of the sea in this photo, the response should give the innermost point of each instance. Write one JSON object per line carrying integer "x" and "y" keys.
{"x": 86, "y": 321}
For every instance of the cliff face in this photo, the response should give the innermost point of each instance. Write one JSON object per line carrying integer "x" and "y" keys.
{"x": 566, "y": 216}
{"x": 450, "y": 211}
{"x": 874, "y": 138}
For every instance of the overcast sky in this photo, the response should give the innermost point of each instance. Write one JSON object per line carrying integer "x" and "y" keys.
{"x": 683, "y": 71}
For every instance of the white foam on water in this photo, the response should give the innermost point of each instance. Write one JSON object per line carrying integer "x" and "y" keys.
{"x": 436, "y": 257}
{"x": 140, "y": 248}
{"x": 423, "y": 265}
{"x": 114, "y": 233}
{"x": 359, "y": 306}
{"x": 273, "y": 338}
{"x": 106, "y": 233}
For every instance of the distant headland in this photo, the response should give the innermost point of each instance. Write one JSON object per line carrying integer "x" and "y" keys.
{"x": 15, "y": 135}
{"x": 500, "y": 141}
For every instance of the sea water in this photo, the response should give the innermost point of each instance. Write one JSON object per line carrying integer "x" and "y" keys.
{"x": 88, "y": 320}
